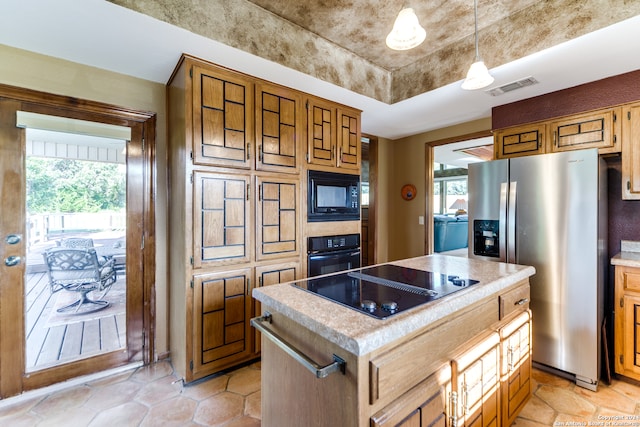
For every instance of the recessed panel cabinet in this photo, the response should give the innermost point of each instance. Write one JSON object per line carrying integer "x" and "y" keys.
{"x": 222, "y": 118}
{"x": 592, "y": 130}
{"x": 627, "y": 321}
{"x": 631, "y": 152}
{"x": 520, "y": 141}
{"x": 333, "y": 135}
{"x": 234, "y": 212}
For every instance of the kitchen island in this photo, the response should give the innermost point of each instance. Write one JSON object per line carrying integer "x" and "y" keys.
{"x": 461, "y": 359}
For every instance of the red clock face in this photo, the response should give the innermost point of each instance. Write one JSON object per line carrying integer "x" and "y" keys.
{"x": 408, "y": 191}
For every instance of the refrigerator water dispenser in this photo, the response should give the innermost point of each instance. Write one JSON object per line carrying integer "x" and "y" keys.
{"x": 486, "y": 238}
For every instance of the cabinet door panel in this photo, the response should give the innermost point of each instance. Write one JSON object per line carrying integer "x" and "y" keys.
{"x": 520, "y": 141}
{"x": 221, "y": 218}
{"x": 593, "y": 130}
{"x": 516, "y": 365}
{"x": 349, "y": 140}
{"x": 631, "y": 152}
{"x": 222, "y": 118}
{"x": 476, "y": 380}
{"x": 321, "y": 124}
{"x": 279, "y": 128}
{"x": 221, "y": 307}
{"x": 273, "y": 275}
{"x": 277, "y": 218}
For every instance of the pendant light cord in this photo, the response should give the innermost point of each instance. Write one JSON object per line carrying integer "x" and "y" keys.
{"x": 475, "y": 7}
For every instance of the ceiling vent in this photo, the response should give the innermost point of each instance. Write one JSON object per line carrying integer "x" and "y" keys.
{"x": 509, "y": 87}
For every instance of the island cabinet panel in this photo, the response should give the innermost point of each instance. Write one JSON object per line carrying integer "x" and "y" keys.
{"x": 518, "y": 141}
{"x": 631, "y": 152}
{"x": 222, "y": 118}
{"x": 515, "y": 371}
{"x": 425, "y": 405}
{"x": 277, "y": 216}
{"x": 279, "y": 128}
{"x": 592, "y": 130}
{"x": 476, "y": 383}
{"x": 221, "y": 219}
{"x": 221, "y": 303}
{"x": 627, "y": 321}
{"x": 394, "y": 372}
{"x": 516, "y": 299}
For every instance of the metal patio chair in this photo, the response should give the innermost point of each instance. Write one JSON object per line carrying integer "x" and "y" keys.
{"x": 78, "y": 270}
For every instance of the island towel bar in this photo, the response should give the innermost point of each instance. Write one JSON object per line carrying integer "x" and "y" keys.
{"x": 320, "y": 371}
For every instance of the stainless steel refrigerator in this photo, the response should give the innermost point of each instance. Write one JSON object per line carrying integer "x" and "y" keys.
{"x": 549, "y": 211}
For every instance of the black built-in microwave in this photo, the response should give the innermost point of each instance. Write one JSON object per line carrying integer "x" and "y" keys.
{"x": 333, "y": 196}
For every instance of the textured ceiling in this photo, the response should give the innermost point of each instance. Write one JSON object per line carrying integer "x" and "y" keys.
{"x": 342, "y": 42}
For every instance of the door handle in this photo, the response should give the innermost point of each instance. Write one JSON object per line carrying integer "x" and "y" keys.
{"x": 13, "y": 239}
{"x": 11, "y": 261}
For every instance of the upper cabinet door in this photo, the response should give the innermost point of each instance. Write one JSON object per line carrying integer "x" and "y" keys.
{"x": 279, "y": 128}
{"x": 222, "y": 118}
{"x": 221, "y": 216}
{"x": 593, "y": 130}
{"x": 321, "y": 130}
{"x": 631, "y": 152}
{"x": 349, "y": 152}
{"x": 520, "y": 141}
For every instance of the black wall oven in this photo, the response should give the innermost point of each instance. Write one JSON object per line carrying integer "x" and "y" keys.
{"x": 333, "y": 197}
{"x": 328, "y": 254}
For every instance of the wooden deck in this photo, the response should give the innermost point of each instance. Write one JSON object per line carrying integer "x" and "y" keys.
{"x": 85, "y": 336}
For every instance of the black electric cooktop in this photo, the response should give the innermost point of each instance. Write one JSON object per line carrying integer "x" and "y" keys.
{"x": 385, "y": 290}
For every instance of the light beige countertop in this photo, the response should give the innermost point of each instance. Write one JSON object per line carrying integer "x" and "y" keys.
{"x": 629, "y": 255}
{"x": 360, "y": 334}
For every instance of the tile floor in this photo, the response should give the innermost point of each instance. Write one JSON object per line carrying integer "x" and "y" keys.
{"x": 153, "y": 396}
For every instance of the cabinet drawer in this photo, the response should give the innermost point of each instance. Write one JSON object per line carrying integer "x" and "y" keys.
{"x": 632, "y": 280}
{"x": 394, "y": 372}
{"x": 515, "y": 299}
{"x": 426, "y": 402}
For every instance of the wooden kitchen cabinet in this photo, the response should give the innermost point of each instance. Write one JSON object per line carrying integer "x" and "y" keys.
{"x": 476, "y": 382}
{"x": 333, "y": 134}
{"x": 273, "y": 275}
{"x": 627, "y": 321}
{"x": 222, "y": 117}
{"x": 600, "y": 129}
{"x": 425, "y": 405}
{"x": 631, "y": 152}
{"x": 515, "y": 368}
{"x": 221, "y": 313}
{"x": 277, "y": 218}
{"x": 234, "y": 145}
{"x": 279, "y": 128}
{"x": 518, "y": 141}
{"x": 221, "y": 222}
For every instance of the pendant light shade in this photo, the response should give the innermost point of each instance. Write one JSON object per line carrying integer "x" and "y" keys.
{"x": 478, "y": 75}
{"x": 407, "y": 32}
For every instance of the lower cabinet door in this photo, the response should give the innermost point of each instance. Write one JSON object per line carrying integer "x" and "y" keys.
{"x": 221, "y": 314}
{"x": 515, "y": 368}
{"x": 424, "y": 405}
{"x": 476, "y": 383}
{"x": 273, "y": 274}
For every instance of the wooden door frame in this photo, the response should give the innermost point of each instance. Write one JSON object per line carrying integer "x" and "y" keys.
{"x": 373, "y": 187}
{"x": 429, "y": 180}
{"x": 141, "y": 174}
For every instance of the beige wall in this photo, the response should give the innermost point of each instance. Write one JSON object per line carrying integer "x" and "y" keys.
{"x": 406, "y": 165}
{"x": 47, "y": 74}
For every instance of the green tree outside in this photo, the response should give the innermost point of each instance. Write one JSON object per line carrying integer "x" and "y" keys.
{"x": 74, "y": 186}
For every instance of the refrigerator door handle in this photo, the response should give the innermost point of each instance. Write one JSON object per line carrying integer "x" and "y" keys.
{"x": 502, "y": 226}
{"x": 511, "y": 223}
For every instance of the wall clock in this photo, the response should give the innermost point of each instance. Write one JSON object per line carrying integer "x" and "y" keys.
{"x": 408, "y": 191}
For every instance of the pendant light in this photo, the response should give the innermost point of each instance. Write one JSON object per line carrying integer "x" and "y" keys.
{"x": 407, "y": 32}
{"x": 478, "y": 75}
